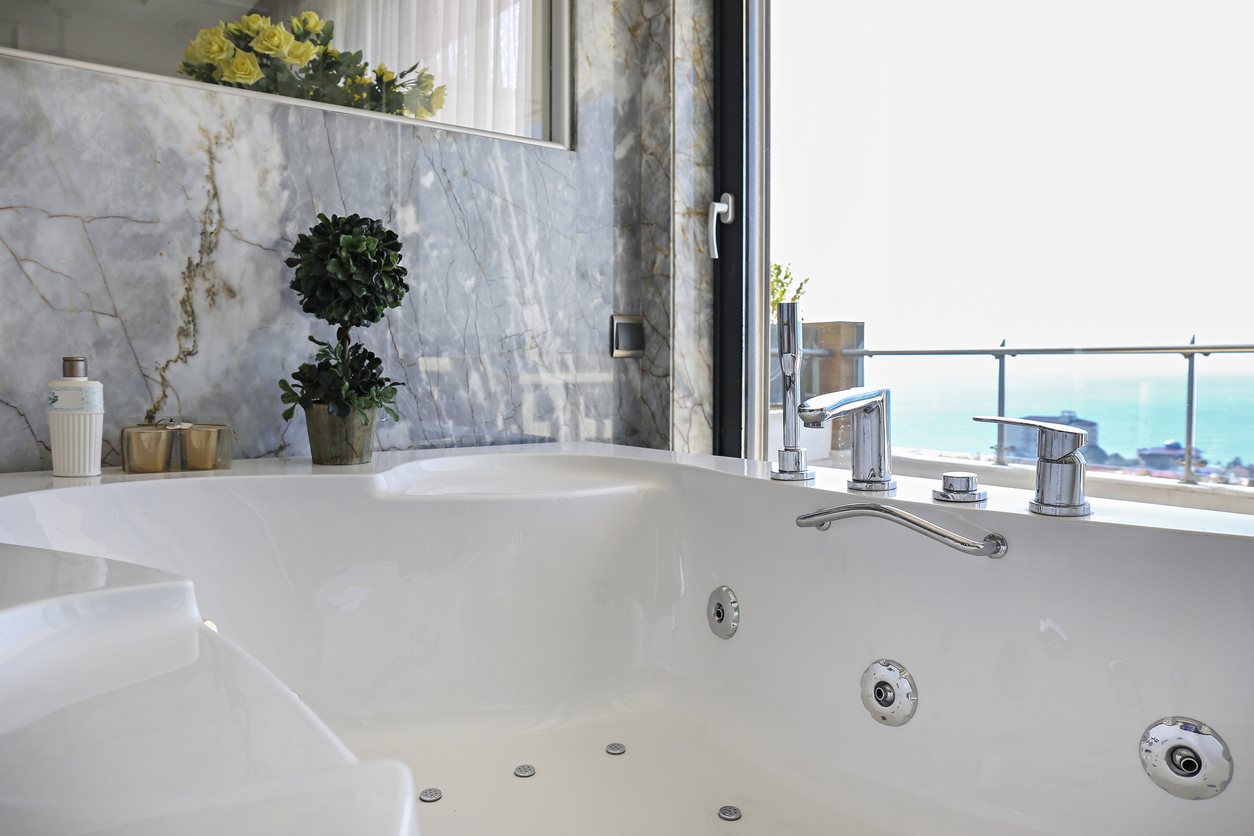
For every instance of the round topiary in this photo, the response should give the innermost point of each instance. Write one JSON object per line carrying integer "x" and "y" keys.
{"x": 348, "y": 273}
{"x": 348, "y": 270}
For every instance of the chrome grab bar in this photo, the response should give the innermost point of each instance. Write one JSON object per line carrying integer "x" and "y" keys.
{"x": 994, "y": 545}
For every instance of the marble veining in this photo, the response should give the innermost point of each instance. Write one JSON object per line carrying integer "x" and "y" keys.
{"x": 144, "y": 224}
{"x": 692, "y": 372}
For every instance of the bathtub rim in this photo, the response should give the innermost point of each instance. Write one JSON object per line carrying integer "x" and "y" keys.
{"x": 912, "y": 492}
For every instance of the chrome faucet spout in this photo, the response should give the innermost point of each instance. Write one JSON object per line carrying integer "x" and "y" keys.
{"x": 872, "y": 458}
{"x": 822, "y": 408}
{"x": 872, "y": 455}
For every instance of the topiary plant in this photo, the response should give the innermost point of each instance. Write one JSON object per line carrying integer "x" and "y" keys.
{"x": 348, "y": 273}
{"x": 348, "y": 270}
{"x": 346, "y": 380}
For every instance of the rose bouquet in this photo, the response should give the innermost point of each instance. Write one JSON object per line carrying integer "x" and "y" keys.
{"x": 255, "y": 54}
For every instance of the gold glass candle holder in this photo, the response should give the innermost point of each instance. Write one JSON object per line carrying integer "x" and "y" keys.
{"x": 150, "y": 448}
{"x": 206, "y": 447}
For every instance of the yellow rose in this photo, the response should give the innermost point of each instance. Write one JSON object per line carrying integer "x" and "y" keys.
{"x": 242, "y": 68}
{"x": 210, "y": 46}
{"x": 334, "y": 53}
{"x": 382, "y": 73}
{"x": 437, "y": 98}
{"x": 309, "y": 22}
{"x": 251, "y": 24}
{"x": 272, "y": 40}
{"x": 300, "y": 53}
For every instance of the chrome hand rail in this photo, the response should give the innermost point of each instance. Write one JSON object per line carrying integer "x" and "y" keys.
{"x": 994, "y": 545}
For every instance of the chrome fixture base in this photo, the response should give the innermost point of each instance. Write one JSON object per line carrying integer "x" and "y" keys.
{"x": 616, "y": 748}
{"x": 889, "y": 693}
{"x": 959, "y": 496}
{"x": 723, "y": 612}
{"x": 1186, "y": 758}
{"x": 993, "y": 545}
{"x": 778, "y": 475}
{"x": 959, "y": 486}
{"x": 526, "y": 770}
{"x": 430, "y": 794}
{"x": 880, "y": 486}
{"x": 1059, "y": 510}
{"x": 729, "y": 813}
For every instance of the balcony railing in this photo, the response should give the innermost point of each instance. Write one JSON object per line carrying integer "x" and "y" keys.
{"x": 1189, "y": 351}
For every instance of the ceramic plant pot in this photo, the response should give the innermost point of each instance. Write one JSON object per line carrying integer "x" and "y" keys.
{"x": 335, "y": 440}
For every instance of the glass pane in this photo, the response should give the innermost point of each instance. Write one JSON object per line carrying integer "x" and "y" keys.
{"x": 1068, "y": 174}
{"x": 475, "y": 63}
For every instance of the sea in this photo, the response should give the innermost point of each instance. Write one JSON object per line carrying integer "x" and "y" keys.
{"x": 1137, "y": 402}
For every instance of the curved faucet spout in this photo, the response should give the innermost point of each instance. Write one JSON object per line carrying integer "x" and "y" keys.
{"x": 871, "y": 456}
{"x": 820, "y": 409}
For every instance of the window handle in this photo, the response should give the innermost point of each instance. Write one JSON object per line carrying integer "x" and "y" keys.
{"x": 725, "y": 210}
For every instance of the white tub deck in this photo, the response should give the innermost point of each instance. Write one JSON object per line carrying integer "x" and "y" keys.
{"x": 435, "y": 620}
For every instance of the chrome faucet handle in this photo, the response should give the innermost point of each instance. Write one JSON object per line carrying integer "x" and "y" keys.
{"x": 1054, "y": 442}
{"x": 789, "y": 326}
{"x": 792, "y": 457}
{"x": 1059, "y": 467}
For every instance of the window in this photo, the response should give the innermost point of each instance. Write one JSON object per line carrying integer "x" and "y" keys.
{"x": 1056, "y": 175}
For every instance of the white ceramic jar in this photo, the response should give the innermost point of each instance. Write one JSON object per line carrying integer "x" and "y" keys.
{"x": 75, "y": 420}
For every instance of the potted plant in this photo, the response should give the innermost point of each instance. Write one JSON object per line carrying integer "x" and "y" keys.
{"x": 348, "y": 273}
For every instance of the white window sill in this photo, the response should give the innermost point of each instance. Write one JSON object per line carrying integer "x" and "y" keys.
{"x": 930, "y": 464}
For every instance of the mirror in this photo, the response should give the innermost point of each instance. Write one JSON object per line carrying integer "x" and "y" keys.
{"x": 483, "y": 64}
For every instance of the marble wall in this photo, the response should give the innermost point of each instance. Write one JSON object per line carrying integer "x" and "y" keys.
{"x": 144, "y": 224}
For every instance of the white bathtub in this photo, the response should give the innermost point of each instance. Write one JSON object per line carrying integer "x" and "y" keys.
{"x": 436, "y": 620}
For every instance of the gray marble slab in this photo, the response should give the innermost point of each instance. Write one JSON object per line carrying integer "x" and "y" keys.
{"x": 144, "y": 224}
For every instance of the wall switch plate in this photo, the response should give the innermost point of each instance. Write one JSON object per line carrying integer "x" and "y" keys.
{"x": 626, "y": 336}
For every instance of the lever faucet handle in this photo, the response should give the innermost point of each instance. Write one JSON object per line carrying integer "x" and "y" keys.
{"x": 789, "y": 325}
{"x": 1053, "y": 441}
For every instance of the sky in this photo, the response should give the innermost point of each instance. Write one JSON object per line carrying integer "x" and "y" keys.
{"x": 1054, "y": 174}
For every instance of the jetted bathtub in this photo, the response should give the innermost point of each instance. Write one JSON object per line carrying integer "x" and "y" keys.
{"x": 438, "y": 620}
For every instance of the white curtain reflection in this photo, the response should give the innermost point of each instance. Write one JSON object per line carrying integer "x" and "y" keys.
{"x": 490, "y": 54}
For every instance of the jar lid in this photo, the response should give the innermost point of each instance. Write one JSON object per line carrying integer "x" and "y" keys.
{"x": 74, "y": 367}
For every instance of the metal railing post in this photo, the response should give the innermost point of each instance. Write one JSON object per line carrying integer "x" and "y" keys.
{"x": 1001, "y": 405}
{"x": 757, "y": 266}
{"x": 1191, "y": 393}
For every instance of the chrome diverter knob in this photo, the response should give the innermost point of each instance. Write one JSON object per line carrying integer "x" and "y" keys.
{"x": 960, "y": 486}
